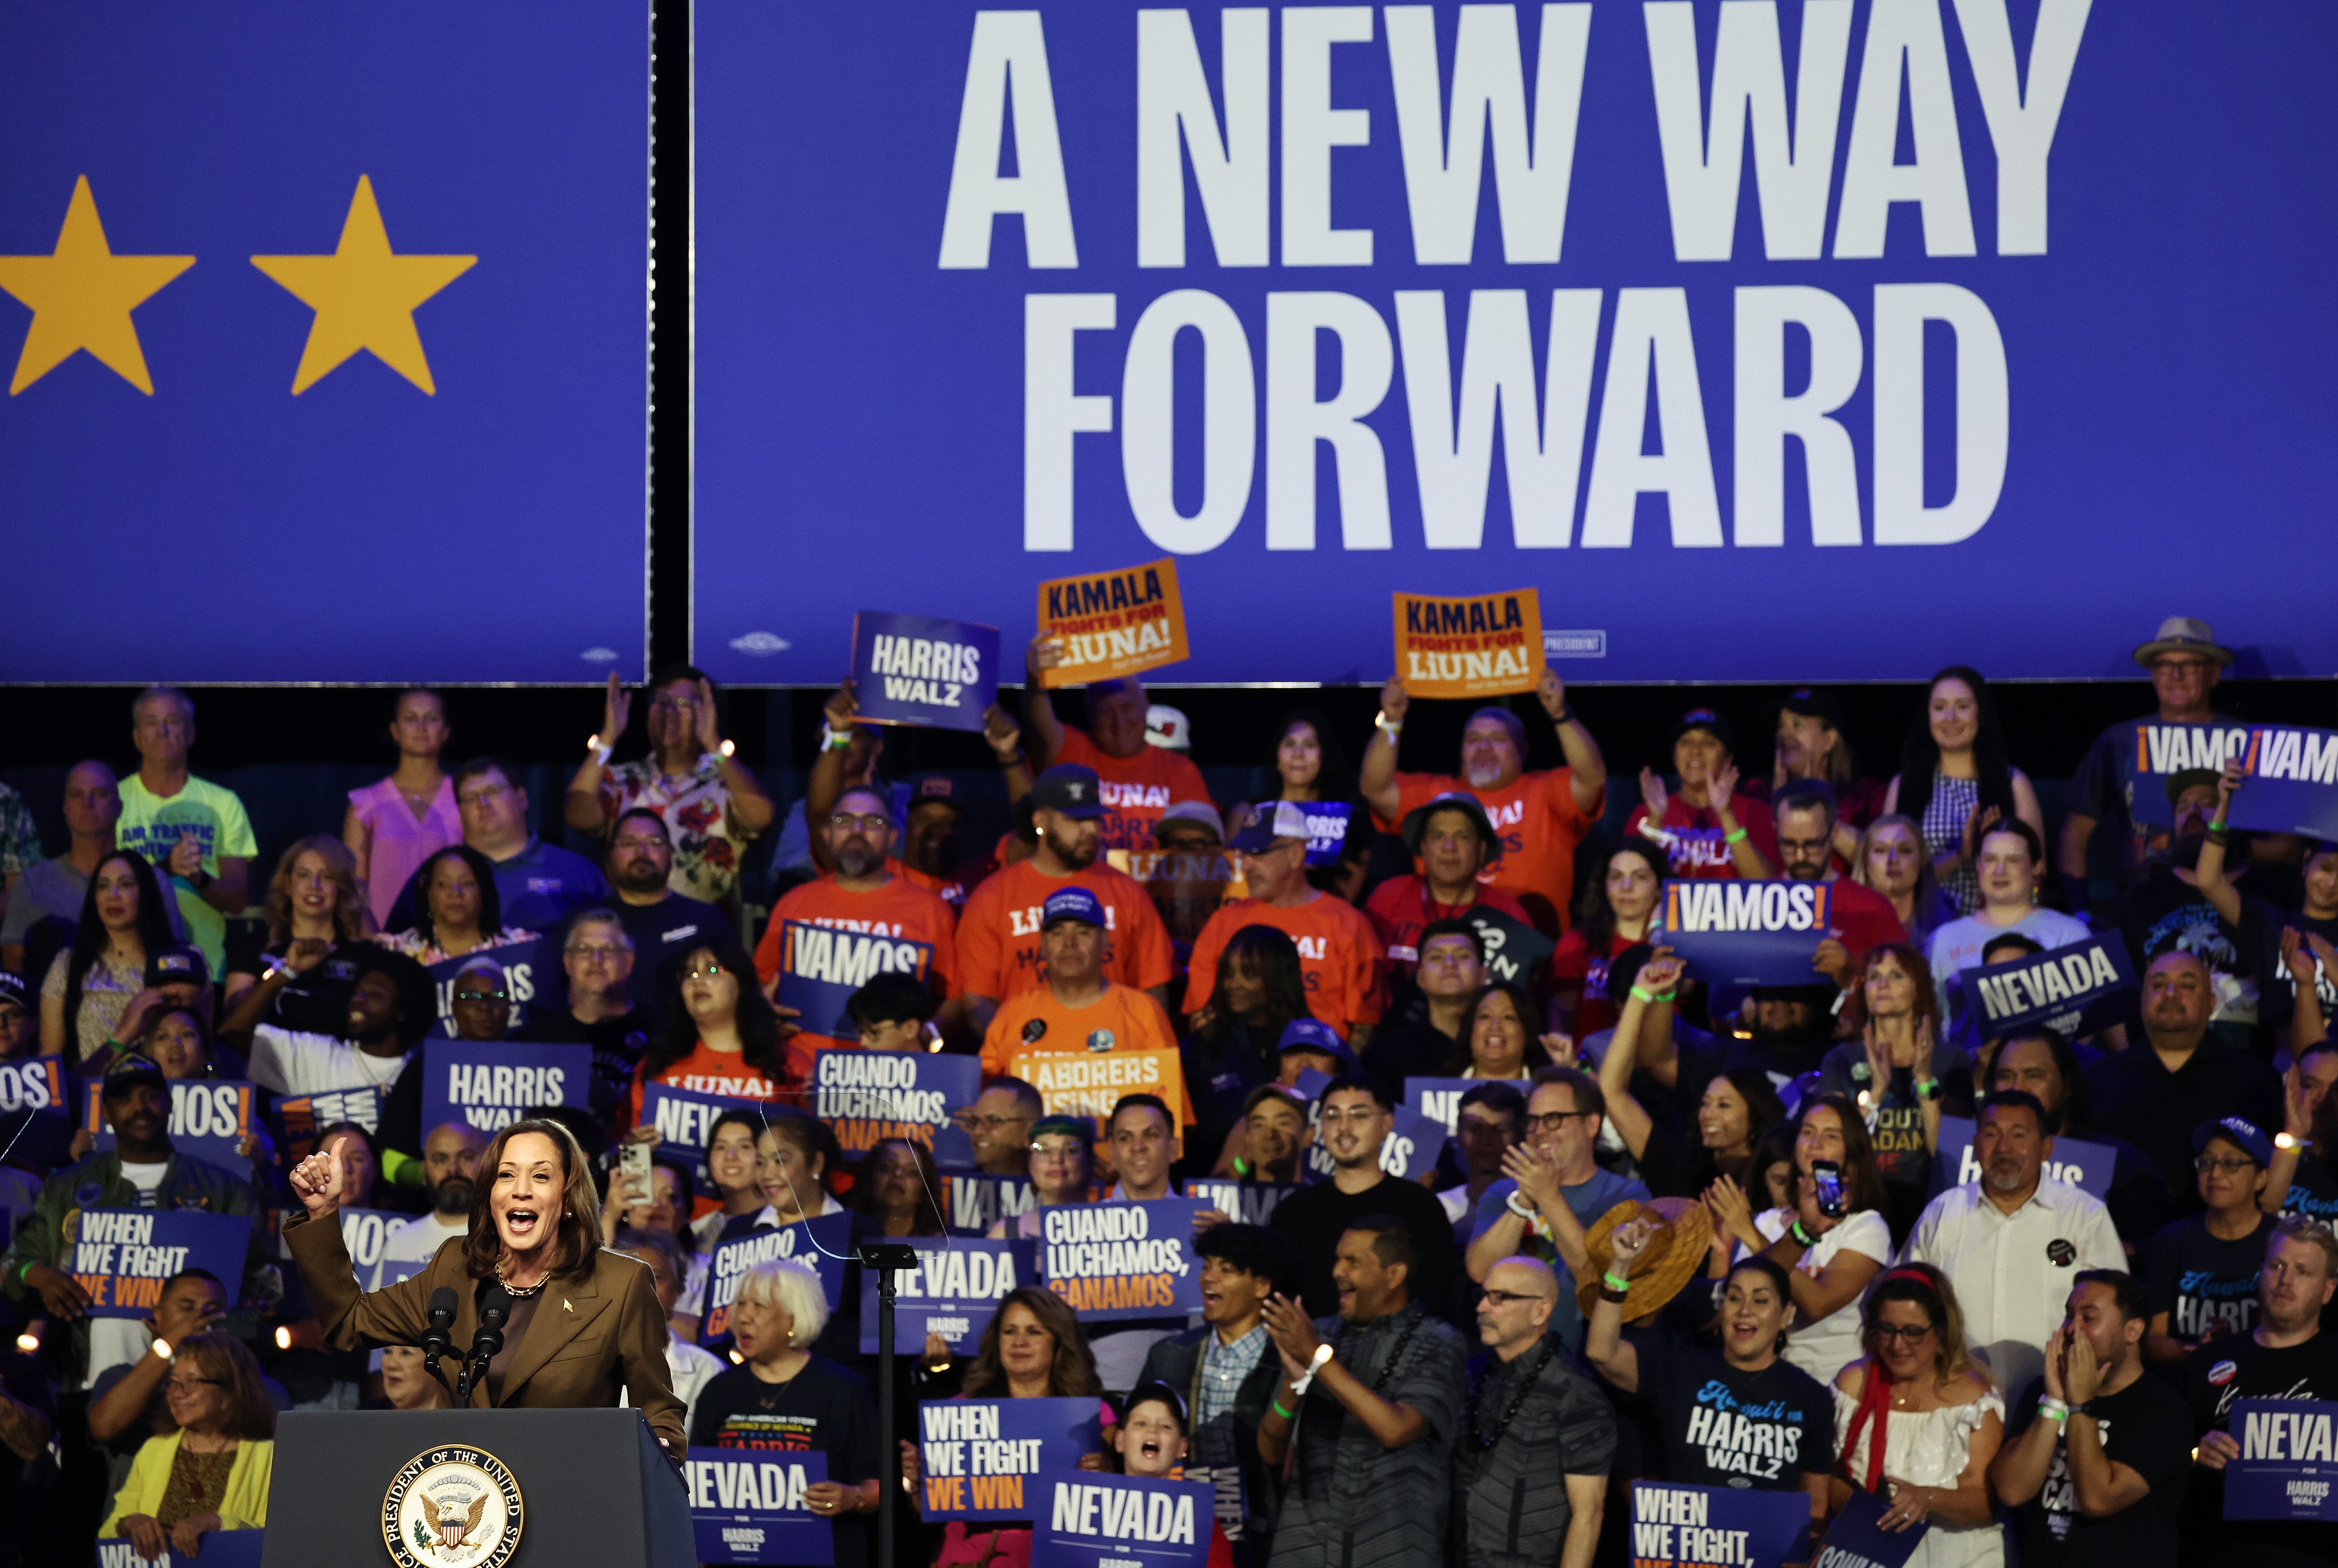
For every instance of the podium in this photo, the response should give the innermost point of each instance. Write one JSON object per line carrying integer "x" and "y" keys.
{"x": 594, "y": 1486}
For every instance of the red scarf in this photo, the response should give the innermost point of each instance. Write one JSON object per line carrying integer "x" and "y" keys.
{"x": 1874, "y": 1400}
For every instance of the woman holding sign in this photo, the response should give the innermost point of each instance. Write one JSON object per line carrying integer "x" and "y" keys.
{"x": 584, "y": 1323}
{"x": 784, "y": 1396}
{"x": 1032, "y": 1349}
{"x": 1920, "y": 1422}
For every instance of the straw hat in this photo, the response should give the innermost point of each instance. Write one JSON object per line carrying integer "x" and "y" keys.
{"x": 1674, "y": 1255}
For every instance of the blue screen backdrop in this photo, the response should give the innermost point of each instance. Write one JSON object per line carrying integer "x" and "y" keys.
{"x": 2027, "y": 322}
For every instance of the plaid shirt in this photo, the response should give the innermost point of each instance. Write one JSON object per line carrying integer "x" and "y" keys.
{"x": 1223, "y": 1368}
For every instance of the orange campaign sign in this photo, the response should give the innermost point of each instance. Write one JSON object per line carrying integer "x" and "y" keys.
{"x": 1113, "y": 623}
{"x": 1483, "y": 646}
{"x": 1089, "y": 1084}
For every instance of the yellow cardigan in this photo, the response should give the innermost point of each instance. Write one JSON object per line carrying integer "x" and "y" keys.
{"x": 245, "y": 1506}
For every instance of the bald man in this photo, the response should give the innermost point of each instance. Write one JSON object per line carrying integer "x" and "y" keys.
{"x": 55, "y": 888}
{"x": 2157, "y": 1090}
{"x": 450, "y": 1164}
{"x": 1533, "y": 1413}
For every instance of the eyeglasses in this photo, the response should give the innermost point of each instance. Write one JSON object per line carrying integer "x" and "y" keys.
{"x": 1552, "y": 1120}
{"x": 189, "y": 1383}
{"x": 845, "y": 823}
{"x": 1908, "y": 1333}
{"x": 2228, "y": 1167}
{"x": 1504, "y": 1297}
{"x": 482, "y": 997}
{"x": 483, "y": 794}
{"x": 665, "y": 704}
{"x": 1805, "y": 844}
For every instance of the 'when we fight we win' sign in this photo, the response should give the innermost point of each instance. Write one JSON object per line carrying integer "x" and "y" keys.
{"x": 120, "y": 1256}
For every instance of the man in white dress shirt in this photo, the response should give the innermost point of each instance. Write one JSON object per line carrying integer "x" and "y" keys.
{"x": 2012, "y": 1241}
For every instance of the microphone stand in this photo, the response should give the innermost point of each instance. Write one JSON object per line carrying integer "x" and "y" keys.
{"x": 887, "y": 1258}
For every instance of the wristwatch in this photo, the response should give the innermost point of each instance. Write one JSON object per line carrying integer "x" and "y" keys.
{"x": 1315, "y": 1364}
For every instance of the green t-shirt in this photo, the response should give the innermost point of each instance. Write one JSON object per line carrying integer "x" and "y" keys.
{"x": 151, "y": 825}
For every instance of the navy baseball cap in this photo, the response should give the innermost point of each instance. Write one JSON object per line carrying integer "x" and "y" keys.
{"x": 179, "y": 964}
{"x": 1315, "y": 1034}
{"x": 940, "y": 787}
{"x": 1072, "y": 904}
{"x": 1278, "y": 820}
{"x": 1070, "y": 788}
{"x": 1710, "y": 722}
{"x": 2243, "y": 1135}
{"x": 129, "y": 1070}
{"x": 13, "y": 989}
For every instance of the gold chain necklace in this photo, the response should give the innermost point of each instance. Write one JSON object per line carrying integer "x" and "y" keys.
{"x": 514, "y": 1291}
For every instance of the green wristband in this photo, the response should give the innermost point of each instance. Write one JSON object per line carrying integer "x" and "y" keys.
{"x": 1734, "y": 836}
{"x": 1613, "y": 1283}
{"x": 1275, "y": 1405}
{"x": 1642, "y": 994}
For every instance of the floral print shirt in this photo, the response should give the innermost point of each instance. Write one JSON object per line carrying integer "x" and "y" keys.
{"x": 707, "y": 838}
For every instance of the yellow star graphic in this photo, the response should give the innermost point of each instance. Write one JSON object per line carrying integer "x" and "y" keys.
{"x": 82, "y": 296}
{"x": 364, "y": 297}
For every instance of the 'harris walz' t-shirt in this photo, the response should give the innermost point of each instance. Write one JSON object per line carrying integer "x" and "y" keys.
{"x": 822, "y": 1408}
{"x": 2205, "y": 1286}
{"x": 2216, "y": 1374}
{"x": 2145, "y": 1426}
{"x": 1723, "y": 1427}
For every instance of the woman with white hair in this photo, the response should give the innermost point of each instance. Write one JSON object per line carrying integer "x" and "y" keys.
{"x": 783, "y": 1396}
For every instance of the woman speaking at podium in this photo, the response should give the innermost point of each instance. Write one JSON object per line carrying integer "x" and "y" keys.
{"x": 583, "y": 1323}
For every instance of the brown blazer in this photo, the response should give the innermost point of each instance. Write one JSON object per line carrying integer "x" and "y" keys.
{"x": 591, "y": 1337}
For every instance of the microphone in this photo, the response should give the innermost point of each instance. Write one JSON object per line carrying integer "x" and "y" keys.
{"x": 438, "y": 1340}
{"x": 494, "y": 1311}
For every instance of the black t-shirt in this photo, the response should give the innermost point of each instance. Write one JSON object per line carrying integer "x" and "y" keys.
{"x": 822, "y": 1408}
{"x": 2215, "y": 1376}
{"x": 2163, "y": 913}
{"x": 618, "y": 1044}
{"x": 1760, "y": 1431}
{"x": 2133, "y": 1093}
{"x": 316, "y": 1002}
{"x": 662, "y": 932}
{"x": 2144, "y": 1426}
{"x": 1313, "y": 1219}
{"x": 1896, "y": 1124}
{"x": 1415, "y": 1048}
{"x": 2312, "y": 1191}
{"x": 2205, "y": 1286}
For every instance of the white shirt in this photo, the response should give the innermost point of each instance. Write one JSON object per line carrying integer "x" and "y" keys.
{"x": 2012, "y": 1273}
{"x": 292, "y": 1062}
{"x": 1828, "y": 1346}
{"x": 688, "y": 1369}
{"x": 418, "y": 1241}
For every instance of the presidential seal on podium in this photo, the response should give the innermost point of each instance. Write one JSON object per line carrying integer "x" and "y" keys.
{"x": 452, "y": 1507}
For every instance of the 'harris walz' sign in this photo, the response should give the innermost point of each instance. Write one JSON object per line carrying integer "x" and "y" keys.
{"x": 1745, "y": 933}
{"x": 747, "y": 1505}
{"x": 492, "y": 1083}
{"x": 868, "y": 1096}
{"x": 2070, "y": 990}
{"x": 820, "y": 968}
{"x": 913, "y": 670}
{"x": 1087, "y": 1519}
{"x": 2288, "y": 1464}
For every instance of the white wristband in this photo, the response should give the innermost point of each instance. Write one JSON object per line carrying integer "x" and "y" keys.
{"x": 1307, "y": 1378}
{"x": 598, "y": 752}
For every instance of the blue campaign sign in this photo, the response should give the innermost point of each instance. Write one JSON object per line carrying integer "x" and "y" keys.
{"x": 747, "y": 1505}
{"x": 2077, "y": 989}
{"x": 980, "y": 1458}
{"x": 824, "y": 1242}
{"x": 35, "y": 1112}
{"x": 120, "y": 1256}
{"x": 1409, "y": 1152}
{"x": 1258, "y": 286}
{"x": 867, "y": 1096}
{"x": 1736, "y": 932}
{"x": 978, "y": 1200}
{"x": 914, "y": 670}
{"x": 1438, "y": 1100}
{"x": 363, "y": 1233}
{"x": 492, "y": 1083}
{"x": 685, "y": 1119}
{"x": 366, "y": 290}
{"x": 210, "y": 1120}
{"x": 820, "y": 969}
{"x": 1855, "y": 1540}
{"x": 1245, "y": 1202}
{"x": 1087, "y": 1519}
{"x": 953, "y": 1291}
{"x": 2291, "y": 773}
{"x": 300, "y": 1117}
{"x": 2288, "y": 1462}
{"x": 220, "y": 1549}
{"x": 1123, "y": 1260}
{"x": 1683, "y": 1526}
{"x": 2075, "y": 1162}
{"x": 530, "y": 970}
